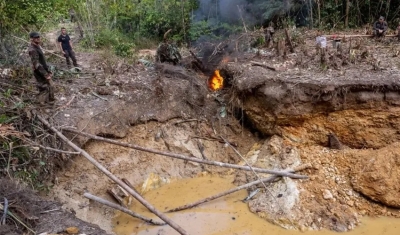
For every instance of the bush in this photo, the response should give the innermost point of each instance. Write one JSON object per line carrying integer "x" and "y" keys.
{"x": 124, "y": 49}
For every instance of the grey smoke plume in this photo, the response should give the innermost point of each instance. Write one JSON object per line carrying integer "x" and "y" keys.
{"x": 227, "y": 11}
{"x": 220, "y": 16}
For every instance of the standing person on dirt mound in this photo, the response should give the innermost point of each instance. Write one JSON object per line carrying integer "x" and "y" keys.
{"x": 41, "y": 70}
{"x": 66, "y": 47}
{"x": 380, "y": 27}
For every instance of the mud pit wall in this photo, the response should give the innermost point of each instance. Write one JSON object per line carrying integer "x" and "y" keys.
{"x": 361, "y": 116}
{"x": 348, "y": 130}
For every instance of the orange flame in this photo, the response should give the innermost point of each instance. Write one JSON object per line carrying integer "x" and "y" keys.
{"x": 216, "y": 82}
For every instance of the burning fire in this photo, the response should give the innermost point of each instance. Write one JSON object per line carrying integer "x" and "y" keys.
{"x": 216, "y": 82}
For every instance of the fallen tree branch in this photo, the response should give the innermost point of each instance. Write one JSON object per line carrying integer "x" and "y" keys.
{"x": 129, "y": 184}
{"x": 356, "y": 35}
{"x": 5, "y": 210}
{"x": 114, "y": 178}
{"x": 230, "y": 191}
{"x": 194, "y": 204}
{"x": 54, "y": 150}
{"x": 263, "y": 65}
{"x": 187, "y": 158}
{"x": 98, "y": 96}
{"x": 211, "y": 138}
{"x": 186, "y": 120}
{"x": 17, "y": 219}
{"x": 120, "y": 208}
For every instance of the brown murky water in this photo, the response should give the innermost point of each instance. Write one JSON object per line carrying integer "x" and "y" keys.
{"x": 223, "y": 216}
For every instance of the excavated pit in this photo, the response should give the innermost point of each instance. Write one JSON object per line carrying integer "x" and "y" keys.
{"x": 337, "y": 120}
{"x": 294, "y": 120}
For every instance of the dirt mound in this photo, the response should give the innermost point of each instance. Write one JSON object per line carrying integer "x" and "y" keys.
{"x": 376, "y": 175}
{"x": 36, "y": 213}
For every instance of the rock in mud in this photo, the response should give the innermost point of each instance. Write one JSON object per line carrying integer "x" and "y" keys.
{"x": 377, "y": 176}
{"x": 276, "y": 203}
{"x": 72, "y": 230}
{"x": 327, "y": 194}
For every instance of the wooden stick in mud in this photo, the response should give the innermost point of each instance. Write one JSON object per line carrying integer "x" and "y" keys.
{"x": 194, "y": 204}
{"x": 187, "y": 158}
{"x": 355, "y": 36}
{"x": 114, "y": 178}
{"x": 120, "y": 208}
{"x": 129, "y": 184}
{"x": 230, "y": 191}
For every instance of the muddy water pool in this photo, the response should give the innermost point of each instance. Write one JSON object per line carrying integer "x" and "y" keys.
{"x": 227, "y": 215}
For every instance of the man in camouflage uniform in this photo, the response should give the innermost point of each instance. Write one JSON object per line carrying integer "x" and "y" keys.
{"x": 380, "y": 27}
{"x": 41, "y": 70}
{"x": 269, "y": 34}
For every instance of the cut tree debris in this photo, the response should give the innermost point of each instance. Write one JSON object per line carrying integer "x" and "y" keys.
{"x": 184, "y": 157}
{"x": 137, "y": 196}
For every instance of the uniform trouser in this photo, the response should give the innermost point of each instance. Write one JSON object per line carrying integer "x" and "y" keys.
{"x": 70, "y": 54}
{"x": 378, "y": 34}
{"x": 45, "y": 87}
{"x": 268, "y": 37}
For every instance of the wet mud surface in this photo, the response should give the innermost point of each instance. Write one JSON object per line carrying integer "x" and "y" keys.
{"x": 228, "y": 215}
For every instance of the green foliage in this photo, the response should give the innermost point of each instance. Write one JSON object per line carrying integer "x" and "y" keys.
{"x": 27, "y": 13}
{"x": 259, "y": 42}
{"x": 124, "y": 49}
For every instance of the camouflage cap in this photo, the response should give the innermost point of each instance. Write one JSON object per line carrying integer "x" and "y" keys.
{"x": 34, "y": 35}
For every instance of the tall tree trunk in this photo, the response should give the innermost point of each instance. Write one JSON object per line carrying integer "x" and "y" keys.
{"x": 346, "y": 17}
{"x": 183, "y": 20}
{"x": 311, "y": 14}
{"x": 387, "y": 8}
{"x": 319, "y": 12}
{"x": 3, "y": 50}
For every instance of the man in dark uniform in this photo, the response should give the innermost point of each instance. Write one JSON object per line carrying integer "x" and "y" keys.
{"x": 380, "y": 27}
{"x": 269, "y": 33}
{"x": 41, "y": 70}
{"x": 71, "y": 12}
{"x": 66, "y": 47}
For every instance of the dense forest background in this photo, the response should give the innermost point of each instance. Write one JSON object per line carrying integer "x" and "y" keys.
{"x": 143, "y": 22}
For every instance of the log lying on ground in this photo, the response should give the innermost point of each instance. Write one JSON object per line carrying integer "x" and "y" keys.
{"x": 187, "y": 158}
{"x": 114, "y": 178}
{"x": 245, "y": 186}
{"x": 121, "y": 208}
{"x": 356, "y": 36}
{"x": 253, "y": 63}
